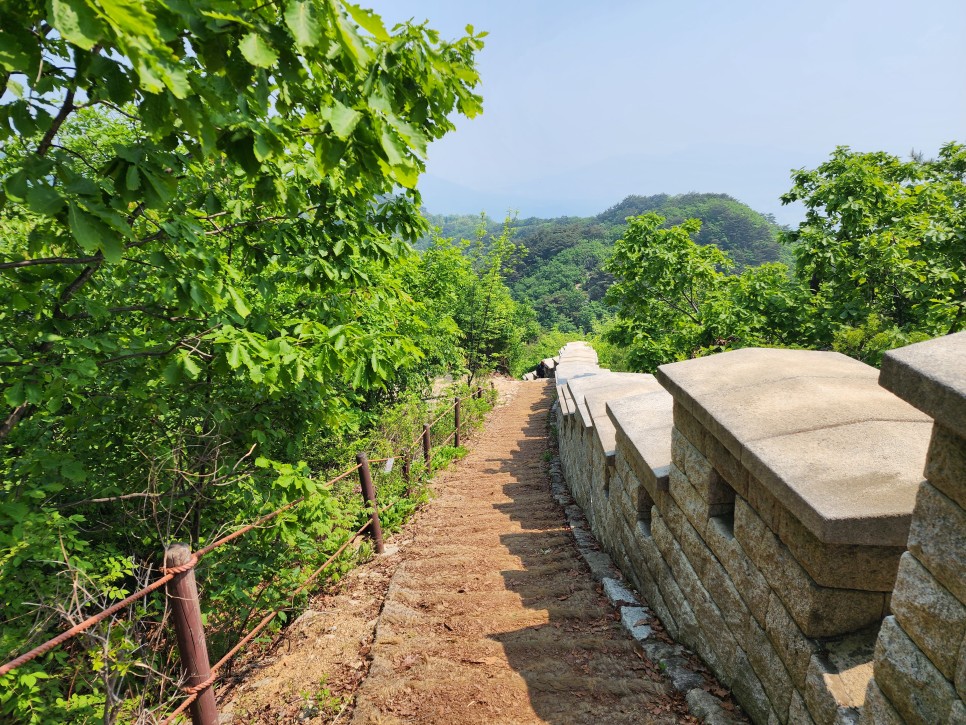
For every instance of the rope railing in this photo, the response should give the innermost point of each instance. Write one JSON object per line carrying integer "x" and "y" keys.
{"x": 180, "y": 577}
{"x": 194, "y": 691}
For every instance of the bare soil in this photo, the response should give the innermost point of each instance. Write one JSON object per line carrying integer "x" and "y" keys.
{"x": 483, "y": 612}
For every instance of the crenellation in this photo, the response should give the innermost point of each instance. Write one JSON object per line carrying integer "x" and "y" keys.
{"x": 762, "y": 503}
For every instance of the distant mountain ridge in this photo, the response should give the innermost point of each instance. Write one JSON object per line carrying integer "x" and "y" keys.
{"x": 562, "y": 274}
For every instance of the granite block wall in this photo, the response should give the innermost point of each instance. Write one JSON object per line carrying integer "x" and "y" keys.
{"x": 761, "y": 501}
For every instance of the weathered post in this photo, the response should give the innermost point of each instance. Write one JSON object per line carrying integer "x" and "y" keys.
{"x": 427, "y": 446}
{"x": 369, "y": 496}
{"x": 186, "y": 615}
{"x": 456, "y": 423}
{"x": 405, "y": 470}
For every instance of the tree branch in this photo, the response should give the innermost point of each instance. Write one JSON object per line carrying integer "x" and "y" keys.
{"x": 65, "y": 110}
{"x": 47, "y": 260}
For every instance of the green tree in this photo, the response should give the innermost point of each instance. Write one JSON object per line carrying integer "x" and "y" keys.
{"x": 677, "y": 299}
{"x": 204, "y": 220}
{"x": 467, "y": 277}
{"x": 884, "y": 239}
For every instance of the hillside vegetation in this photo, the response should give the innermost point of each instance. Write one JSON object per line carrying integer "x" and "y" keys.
{"x": 561, "y": 275}
{"x": 879, "y": 262}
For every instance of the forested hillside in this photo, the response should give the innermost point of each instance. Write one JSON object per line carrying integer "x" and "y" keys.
{"x": 562, "y": 276}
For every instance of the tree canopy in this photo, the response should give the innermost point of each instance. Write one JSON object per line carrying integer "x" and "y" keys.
{"x": 880, "y": 261}
{"x": 204, "y": 227}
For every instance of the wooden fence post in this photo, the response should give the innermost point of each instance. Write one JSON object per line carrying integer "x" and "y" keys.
{"x": 369, "y": 496}
{"x": 427, "y": 446}
{"x": 405, "y": 470}
{"x": 186, "y": 615}
{"x": 456, "y": 424}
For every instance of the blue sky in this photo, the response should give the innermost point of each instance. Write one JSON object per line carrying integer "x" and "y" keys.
{"x": 587, "y": 102}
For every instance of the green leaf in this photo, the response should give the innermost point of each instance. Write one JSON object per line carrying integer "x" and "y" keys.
{"x": 238, "y": 302}
{"x": 17, "y": 52}
{"x": 349, "y": 39}
{"x": 369, "y": 21}
{"x": 234, "y": 356}
{"x": 302, "y": 20}
{"x": 342, "y": 119}
{"x": 16, "y": 185}
{"x": 257, "y": 52}
{"x": 89, "y": 231}
{"x": 131, "y": 17}
{"x": 74, "y": 471}
{"x": 191, "y": 368}
{"x": 393, "y": 146}
{"x": 44, "y": 199}
{"x": 15, "y": 395}
{"x": 77, "y": 22}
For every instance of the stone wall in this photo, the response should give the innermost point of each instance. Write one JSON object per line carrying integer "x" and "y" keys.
{"x": 920, "y": 654}
{"x": 761, "y": 501}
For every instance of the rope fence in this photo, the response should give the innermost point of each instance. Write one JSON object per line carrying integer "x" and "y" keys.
{"x": 178, "y": 577}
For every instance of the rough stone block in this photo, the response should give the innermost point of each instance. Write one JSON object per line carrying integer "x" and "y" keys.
{"x": 938, "y": 538}
{"x": 688, "y": 426}
{"x": 699, "y": 471}
{"x": 748, "y": 689}
{"x": 725, "y": 595}
{"x": 838, "y": 676}
{"x": 626, "y": 511}
{"x": 768, "y": 508}
{"x": 946, "y": 464}
{"x": 818, "y": 611}
{"x": 870, "y": 568}
{"x": 749, "y": 581}
{"x": 694, "y": 507}
{"x": 769, "y": 668}
{"x": 687, "y": 623}
{"x": 724, "y": 462}
{"x": 793, "y": 647}
{"x": 618, "y": 594}
{"x": 635, "y": 621}
{"x": 957, "y": 714}
{"x": 651, "y": 568}
{"x": 914, "y": 686}
{"x": 673, "y": 516}
{"x": 707, "y": 708}
{"x": 695, "y": 549}
{"x": 797, "y": 712}
{"x": 716, "y": 644}
{"x": 878, "y": 710}
{"x": 929, "y": 614}
{"x": 960, "y": 680}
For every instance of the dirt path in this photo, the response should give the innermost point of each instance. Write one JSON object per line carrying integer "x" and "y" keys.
{"x": 492, "y": 617}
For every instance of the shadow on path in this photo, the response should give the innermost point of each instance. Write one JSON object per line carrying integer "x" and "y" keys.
{"x": 580, "y": 667}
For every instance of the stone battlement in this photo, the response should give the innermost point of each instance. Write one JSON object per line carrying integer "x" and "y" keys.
{"x": 761, "y": 500}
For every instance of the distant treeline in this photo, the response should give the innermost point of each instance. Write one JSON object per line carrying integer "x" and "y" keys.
{"x": 562, "y": 276}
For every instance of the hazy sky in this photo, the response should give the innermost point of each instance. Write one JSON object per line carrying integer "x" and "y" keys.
{"x": 586, "y": 102}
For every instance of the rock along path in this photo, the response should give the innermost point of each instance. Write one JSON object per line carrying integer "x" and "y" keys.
{"x": 493, "y": 616}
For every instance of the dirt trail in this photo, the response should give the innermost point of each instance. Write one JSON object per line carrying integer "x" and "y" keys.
{"x": 492, "y": 616}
